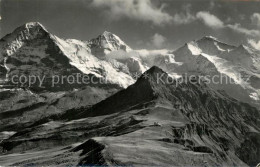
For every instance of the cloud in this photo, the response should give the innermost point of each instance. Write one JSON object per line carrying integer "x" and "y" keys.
{"x": 158, "y": 40}
{"x": 210, "y": 20}
{"x": 184, "y": 18}
{"x": 254, "y": 44}
{"x": 143, "y": 54}
{"x": 146, "y": 54}
{"x": 145, "y": 10}
{"x": 181, "y": 18}
{"x": 255, "y": 18}
{"x": 242, "y": 16}
{"x": 238, "y": 28}
{"x": 142, "y": 10}
{"x": 121, "y": 54}
{"x": 211, "y": 5}
{"x": 214, "y": 22}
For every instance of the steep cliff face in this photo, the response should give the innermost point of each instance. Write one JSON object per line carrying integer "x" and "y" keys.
{"x": 31, "y": 50}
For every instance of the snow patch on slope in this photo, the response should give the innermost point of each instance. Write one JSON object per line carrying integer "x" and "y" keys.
{"x": 80, "y": 55}
{"x": 218, "y": 47}
{"x": 193, "y": 47}
{"x": 254, "y": 96}
{"x": 224, "y": 67}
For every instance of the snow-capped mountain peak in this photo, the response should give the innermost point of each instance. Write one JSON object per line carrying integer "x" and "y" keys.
{"x": 31, "y": 49}
{"x": 107, "y": 42}
{"x": 211, "y": 39}
{"x": 114, "y": 39}
{"x": 35, "y": 24}
{"x": 27, "y": 31}
{"x": 212, "y": 46}
{"x": 107, "y": 33}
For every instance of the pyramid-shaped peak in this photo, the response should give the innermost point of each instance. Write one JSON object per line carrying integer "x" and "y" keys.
{"x": 152, "y": 75}
{"x": 31, "y": 29}
{"x": 34, "y": 25}
{"x": 26, "y": 32}
{"x": 107, "y": 33}
{"x": 109, "y": 41}
{"x": 154, "y": 70}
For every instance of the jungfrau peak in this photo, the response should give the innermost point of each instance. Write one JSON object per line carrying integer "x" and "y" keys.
{"x": 209, "y": 56}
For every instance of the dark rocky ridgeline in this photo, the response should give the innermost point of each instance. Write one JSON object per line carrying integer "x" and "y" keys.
{"x": 212, "y": 116}
{"x": 203, "y": 125}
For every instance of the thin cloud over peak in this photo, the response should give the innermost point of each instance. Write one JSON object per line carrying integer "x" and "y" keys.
{"x": 158, "y": 40}
{"x": 184, "y": 18}
{"x": 181, "y": 18}
{"x": 143, "y": 10}
{"x": 255, "y": 18}
{"x": 239, "y": 29}
{"x": 214, "y": 22}
{"x": 210, "y": 20}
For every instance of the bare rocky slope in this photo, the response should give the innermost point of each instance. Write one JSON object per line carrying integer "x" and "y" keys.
{"x": 149, "y": 123}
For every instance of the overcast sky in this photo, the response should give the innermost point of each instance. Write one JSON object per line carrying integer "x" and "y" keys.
{"x": 149, "y": 24}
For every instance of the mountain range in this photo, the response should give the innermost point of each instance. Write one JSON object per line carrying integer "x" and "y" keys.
{"x": 133, "y": 118}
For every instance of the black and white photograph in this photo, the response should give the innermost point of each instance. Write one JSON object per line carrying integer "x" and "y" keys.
{"x": 130, "y": 83}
